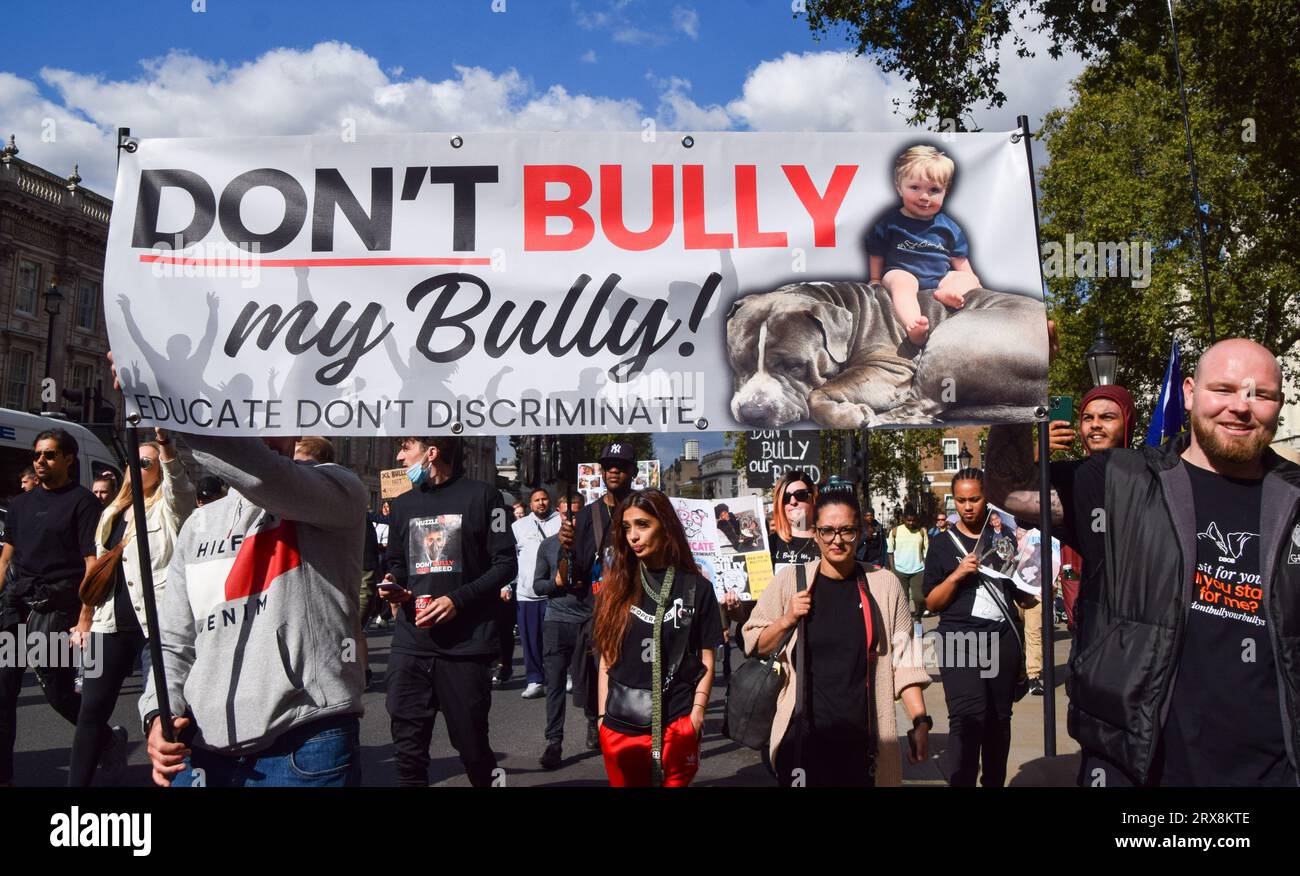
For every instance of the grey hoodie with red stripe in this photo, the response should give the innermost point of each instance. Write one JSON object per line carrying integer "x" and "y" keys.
{"x": 259, "y": 622}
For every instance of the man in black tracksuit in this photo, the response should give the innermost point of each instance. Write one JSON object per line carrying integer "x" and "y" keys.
{"x": 587, "y": 540}
{"x": 1185, "y": 673}
{"x": 568, "y": 610}
{"x": 449, "y": 554}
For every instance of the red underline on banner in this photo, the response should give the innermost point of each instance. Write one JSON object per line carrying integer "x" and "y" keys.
{"x": 309, "y": 263}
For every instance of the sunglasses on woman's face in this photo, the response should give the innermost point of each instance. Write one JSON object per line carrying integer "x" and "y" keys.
{"x": 797, "y": 496}
{"x": 146, "y": 462}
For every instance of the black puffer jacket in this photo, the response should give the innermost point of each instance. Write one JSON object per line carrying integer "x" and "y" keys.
{"x": 1122, "y": 677}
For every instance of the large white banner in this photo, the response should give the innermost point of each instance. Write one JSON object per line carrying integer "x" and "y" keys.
{"x": 566, "y": 283}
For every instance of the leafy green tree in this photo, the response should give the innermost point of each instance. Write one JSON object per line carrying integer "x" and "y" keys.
{"x": 1119, "y": 173}
{"x": 1118, "y": 170}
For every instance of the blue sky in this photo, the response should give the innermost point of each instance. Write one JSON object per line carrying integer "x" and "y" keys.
{"x": 611, "y": 48}
{"x": 71, "y": 73}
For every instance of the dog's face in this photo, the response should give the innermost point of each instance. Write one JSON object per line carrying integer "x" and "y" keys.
{"x": 781, "y": 346}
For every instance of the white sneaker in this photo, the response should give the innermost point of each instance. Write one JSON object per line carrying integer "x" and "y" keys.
{"x": 533, "y": 691}
{"x": 568, "y": 685}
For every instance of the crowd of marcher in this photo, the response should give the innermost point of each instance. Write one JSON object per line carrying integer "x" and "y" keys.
{"x": 268, "y": 570}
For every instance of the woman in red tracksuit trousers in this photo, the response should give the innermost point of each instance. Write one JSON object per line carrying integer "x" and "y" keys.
{"x": 651, "y": 572}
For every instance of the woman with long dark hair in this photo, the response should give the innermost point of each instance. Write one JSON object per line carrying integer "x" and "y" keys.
{"x": 119, "y": 623}
{"x": 980, "y": 662}
{"x": 657, "y": 625}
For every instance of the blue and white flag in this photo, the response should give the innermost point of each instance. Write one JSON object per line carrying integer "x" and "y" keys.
{"x": 1167, "y": 418}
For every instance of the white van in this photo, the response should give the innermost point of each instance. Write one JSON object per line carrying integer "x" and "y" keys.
{"x": 18, "y": 433}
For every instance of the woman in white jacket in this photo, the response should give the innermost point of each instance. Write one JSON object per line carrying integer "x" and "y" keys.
{"x": 118, "y": 625}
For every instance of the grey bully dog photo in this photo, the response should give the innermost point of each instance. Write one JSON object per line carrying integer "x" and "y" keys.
{"x": 833, "y": 353}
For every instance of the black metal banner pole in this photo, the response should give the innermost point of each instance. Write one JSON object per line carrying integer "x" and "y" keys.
{"x": 1048, "y": 592}
{"x": 142, "y": 544}
{"x": 1196, "y": 185}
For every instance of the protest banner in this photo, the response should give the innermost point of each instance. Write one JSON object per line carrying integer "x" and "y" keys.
{"x": 545, "y": 283}
{"x": 770, "y": 453}
{"x": 728, "y": 538}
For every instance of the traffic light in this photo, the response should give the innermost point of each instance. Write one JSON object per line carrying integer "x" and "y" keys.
{"x": 79, "y": 412}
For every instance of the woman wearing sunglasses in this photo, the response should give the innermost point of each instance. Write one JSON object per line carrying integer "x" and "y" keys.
{"x": 847, "y": 650}
{"x": 792, "y": 504}
{"x": 656, "y": 626}
{"x": 119, "y": 623}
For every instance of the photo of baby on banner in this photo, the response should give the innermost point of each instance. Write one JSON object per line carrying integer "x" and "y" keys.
{"x": 852, "y": 355}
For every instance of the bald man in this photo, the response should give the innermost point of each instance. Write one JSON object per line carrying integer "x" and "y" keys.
{"x": 1192, "y": 584}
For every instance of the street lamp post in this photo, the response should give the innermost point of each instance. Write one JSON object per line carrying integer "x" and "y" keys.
{"x": 53, "y": 304}
{"x": 965, "y": 457}
{"x": 1103, "y": 358}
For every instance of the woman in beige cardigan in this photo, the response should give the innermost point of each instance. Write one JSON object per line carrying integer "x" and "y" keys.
{"x": 839, "y": 723}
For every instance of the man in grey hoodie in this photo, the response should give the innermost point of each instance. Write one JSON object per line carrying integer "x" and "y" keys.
{"x": 259, "y": 625}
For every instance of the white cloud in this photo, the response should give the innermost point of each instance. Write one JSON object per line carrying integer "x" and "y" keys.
{"x": 285, "y": 91}
{"x": 686, "y": 20}
{"x": 818, "y": 91}
{"x": 588, "y": 57}
{"x": 635, "y": 36}
{"x": 291, "y": 91}
{"x": 678, "y": 112}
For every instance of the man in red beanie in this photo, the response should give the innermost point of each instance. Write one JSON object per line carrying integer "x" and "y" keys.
{"x": 1106, "y": 421}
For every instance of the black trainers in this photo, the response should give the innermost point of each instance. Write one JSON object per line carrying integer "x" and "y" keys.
{"x": 501, "y": 676}
{"x": 593, "y": 737}
{"x": 1036, "y": 686}
{"x": 113, "y": 760}
{"x": 550, "y": 759}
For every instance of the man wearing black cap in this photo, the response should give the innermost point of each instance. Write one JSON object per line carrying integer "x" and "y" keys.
{"x": 587, "y": 544}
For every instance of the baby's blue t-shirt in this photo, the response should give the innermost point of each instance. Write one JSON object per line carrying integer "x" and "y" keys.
{"x": 923, "y": 247}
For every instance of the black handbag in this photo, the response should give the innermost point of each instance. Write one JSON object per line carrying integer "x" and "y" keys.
{"x": 634, "y": 706}
{"x": 754, "y": 688}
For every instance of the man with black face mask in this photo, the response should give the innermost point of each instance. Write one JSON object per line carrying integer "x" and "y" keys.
{"x": 586, "y": 542}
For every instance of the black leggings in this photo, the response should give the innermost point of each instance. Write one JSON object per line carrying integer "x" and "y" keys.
{"x": 979, "y": 705}
{"x": 118, "y": 656}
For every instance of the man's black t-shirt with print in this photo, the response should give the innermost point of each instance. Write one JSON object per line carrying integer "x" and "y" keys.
{"x": 52, "y": 532}
{"x": 836, "y": 653}
{"x": 1225, "y": 725}
{"x": 451, "y": 539}
{"x": 634, "y": 668}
